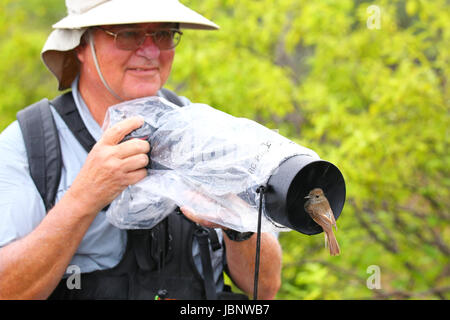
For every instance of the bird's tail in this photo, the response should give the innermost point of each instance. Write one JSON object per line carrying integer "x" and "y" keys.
{"x": 332, "y": 243}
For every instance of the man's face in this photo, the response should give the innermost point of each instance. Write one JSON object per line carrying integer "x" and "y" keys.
{"x": 130, "y": 73}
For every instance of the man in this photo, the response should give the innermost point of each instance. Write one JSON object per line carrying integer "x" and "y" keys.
{"x": 108, "y": 52}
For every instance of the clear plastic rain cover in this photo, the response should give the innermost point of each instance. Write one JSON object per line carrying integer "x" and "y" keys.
{"x": 201, "y": 158}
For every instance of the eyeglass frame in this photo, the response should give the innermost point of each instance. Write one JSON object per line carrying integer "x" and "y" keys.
{"x": 146, "y": 34}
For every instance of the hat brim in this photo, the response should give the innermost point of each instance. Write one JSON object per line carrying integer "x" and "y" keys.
{"x": 137, "y": 11}
{"x": 58, "y": 54}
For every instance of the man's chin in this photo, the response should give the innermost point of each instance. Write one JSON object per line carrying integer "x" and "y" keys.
{"x": 147, "y": 92}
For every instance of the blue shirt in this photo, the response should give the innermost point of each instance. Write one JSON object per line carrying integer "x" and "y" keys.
{"x": 22, "y": 209}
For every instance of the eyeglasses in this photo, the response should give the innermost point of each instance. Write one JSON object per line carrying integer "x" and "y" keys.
{"x": 131, "y": 39}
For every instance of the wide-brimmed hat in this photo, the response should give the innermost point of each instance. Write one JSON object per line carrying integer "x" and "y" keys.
{"x": 58, "y": 54}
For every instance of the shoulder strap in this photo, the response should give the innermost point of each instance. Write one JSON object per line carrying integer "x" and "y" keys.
{"x": 170, "y": 96}
{"x": 202, "y": 235}
{"x": 43, "y": 149}
{"x": 65, "y": 105}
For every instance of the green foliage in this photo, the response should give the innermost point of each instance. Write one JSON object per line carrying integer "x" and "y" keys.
{"x": 373, "y": 101}
{"x": 24, "y": 79}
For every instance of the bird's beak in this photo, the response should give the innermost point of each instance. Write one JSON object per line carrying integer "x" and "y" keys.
{"x": 307, "y": 197}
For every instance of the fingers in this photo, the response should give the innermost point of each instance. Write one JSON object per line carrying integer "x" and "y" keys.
{"x": 114, "y": 135}
{"x": 136, "y": 176}
{"x": 135, "y": 162}
{"x": 117, "y": 132}
{"x": 111, "y": 166}
{"x": 132, "y": 147}
{"x": 189, "y": 213}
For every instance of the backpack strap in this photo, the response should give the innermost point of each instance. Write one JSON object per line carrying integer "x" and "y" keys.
{"x": 202, "y": 235}
{"x": 170, "y": 96}
{"x": 43, "y": 149}
{"x": 67, "y": 109}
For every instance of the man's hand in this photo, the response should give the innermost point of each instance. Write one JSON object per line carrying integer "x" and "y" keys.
{"x": 205, "y": 223}
{"x": 31, "y": 267}
{"x": 111, "y": 166}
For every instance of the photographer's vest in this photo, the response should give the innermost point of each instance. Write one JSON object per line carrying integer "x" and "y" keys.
{"x": 158, "y": 262}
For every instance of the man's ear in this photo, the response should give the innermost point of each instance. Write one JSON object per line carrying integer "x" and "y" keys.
{"x": 79, "y": 54}
{"x": 80, "y": 49}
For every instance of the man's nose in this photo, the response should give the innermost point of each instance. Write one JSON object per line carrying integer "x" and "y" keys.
{"x": 149, "y": 49}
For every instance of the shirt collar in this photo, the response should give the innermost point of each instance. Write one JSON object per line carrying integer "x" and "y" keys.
{"x": 92, "y": 126}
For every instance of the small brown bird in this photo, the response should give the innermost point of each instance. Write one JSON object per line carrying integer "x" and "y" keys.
{"x": 320, "y": 211}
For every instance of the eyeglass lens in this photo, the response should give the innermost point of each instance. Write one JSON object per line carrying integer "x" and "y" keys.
{"x": 133, "y": 39}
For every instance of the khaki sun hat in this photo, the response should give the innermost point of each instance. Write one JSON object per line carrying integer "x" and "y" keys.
{"x": 58, "y": 53}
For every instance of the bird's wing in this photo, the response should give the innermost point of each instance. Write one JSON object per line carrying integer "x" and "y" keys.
{"x": 330, "y": 215}
{"x": 332, "y": 219}
{"x": 324, "y": 220}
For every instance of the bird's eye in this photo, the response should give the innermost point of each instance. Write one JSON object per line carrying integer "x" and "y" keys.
{"x": 317, "y": 196}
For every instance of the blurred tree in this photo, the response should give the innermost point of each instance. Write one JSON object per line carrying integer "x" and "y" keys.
{"x": 23, "y": 29}
{"x": 373, "y": 101}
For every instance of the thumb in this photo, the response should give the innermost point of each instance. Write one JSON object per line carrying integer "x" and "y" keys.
{"x": 117, "y": 132}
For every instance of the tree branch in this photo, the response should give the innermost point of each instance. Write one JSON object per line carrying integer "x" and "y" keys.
{"x": 437, "y": 240}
